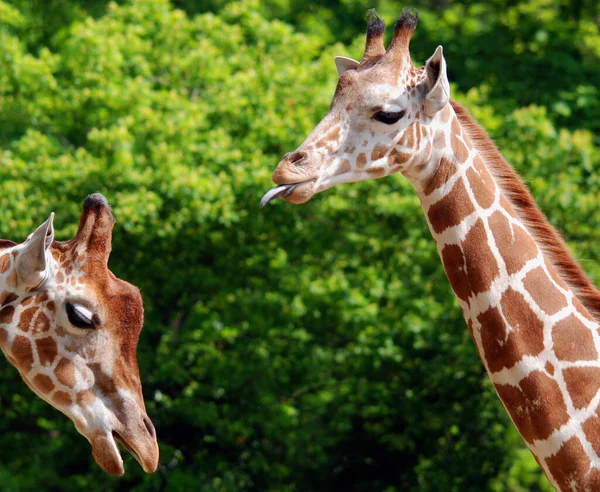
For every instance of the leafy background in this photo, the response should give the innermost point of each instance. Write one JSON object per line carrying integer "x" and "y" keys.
{"x": 294, "y": 348}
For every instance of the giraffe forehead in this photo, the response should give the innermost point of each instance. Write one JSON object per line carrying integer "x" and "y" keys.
{"x": 378, "y": 94}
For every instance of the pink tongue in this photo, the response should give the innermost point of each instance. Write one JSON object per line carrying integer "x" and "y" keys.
{"x": 281, "y": 190}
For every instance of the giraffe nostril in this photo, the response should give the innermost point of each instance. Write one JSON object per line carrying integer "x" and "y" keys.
{"x": 295, "y": 157}
{"x": 150, "y": 427}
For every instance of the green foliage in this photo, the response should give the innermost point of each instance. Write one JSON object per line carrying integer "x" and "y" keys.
{"x": 295, "y": 348}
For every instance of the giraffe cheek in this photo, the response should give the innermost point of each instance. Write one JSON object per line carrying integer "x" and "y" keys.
{"x": 302, "y": 193}
{"x": 65, "y": 373}
{"x": 47, "y": 350}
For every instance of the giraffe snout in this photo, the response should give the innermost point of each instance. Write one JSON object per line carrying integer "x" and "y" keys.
{"x": 295, "y": 167}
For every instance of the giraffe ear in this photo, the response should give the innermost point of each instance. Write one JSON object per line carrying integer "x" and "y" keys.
{"x": 31, "y": 261}
{"x": 343, "y": 64}
{"x": 436, "y": 85}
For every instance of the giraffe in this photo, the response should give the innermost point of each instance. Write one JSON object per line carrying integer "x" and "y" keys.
{"x": 70, "y": 327}
{"x": 532, "y": 312}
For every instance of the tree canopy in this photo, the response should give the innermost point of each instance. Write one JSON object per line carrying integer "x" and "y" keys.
{"x": 294, "y": 348}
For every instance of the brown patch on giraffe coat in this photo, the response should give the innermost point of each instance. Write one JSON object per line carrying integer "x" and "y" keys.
{"x": 582, "y": 384}
{"x": 47, "y": 350}
{"x": 41, "y": 324}
{"x": 508, "y": 208}
{"x": 379, "y": 152}
{"x": 536, "y": 405}
{"x": 408, "y": 139}
{"x": 452, "y": 209}
{"x": 482, "y": 267}
{"x": 439, "y": 140}
{"x": 43, "y": 383}
{"x": 4, "y": 263}
{"x": 456, "y": 270}
{"x": 27, "y": 301}
{"x": 6, "y": 315}
{"x": 440, "y": 176}
{"x": 419, "y": 133}
{"x": 345, "y": 166}
{"x": 458, "y": 147}
{"x": 482, "y": 186}
{"x": 543, "y": 291}
{"x": 65, "y": 373}
{"x": 22, "y": 354}
{"x": 62, "y": 399}
{"x": 427, "y": 153}
{"x": 329, "y": 137}
{"x": 444, "y": 114}
{"x": 571, "y": 468}
{"x": 503, "y": 348}
{"x": 554, "y": 274}
{"x": 26, "y": 318}
{"x": 105, "y": 383}
{"x": 397, "y": 157}
{"x": 86, "y": 398}
{"x": 591, "y": 428}
{"x": 514, "y": 243}
{"x": 549, "y": 368}
{"x": 581, "y": 310}
{"x": 376, "y": 172}
{"x": 361, "y": 160}
{"x": 573, "y": 341}
{"x": 9, "y": 298}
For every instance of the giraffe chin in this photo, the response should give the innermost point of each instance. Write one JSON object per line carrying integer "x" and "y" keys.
{"x": 294, "y": 193}
{"x": 107, "y": 455}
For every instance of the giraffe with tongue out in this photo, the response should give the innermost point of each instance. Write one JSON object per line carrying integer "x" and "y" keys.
{"x": 71, "y": 328}
{"x": 532, "y": 312}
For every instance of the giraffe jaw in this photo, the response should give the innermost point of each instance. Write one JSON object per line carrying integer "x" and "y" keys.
{"x": 107, "y": 455}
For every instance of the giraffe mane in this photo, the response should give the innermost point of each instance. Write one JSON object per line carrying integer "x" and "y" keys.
{"x": 519, "y": 196}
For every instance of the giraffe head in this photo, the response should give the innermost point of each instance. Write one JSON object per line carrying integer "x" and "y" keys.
{"x": 71, "y": 329}
{"x": 382, "y": 119}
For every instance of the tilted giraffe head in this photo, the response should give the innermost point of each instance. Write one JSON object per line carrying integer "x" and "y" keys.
{"x": 71, "y": 329}
{"x": 382, "y": 119}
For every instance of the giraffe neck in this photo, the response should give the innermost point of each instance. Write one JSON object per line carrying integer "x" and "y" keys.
{"x": 537, "y": 341}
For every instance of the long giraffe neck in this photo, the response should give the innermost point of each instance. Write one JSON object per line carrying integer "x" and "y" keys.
{"x": 537, "y": 341}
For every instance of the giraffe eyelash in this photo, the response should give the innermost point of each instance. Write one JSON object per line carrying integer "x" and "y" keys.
{"x": 80, "y": 317}
{"x": 389, "y": 117}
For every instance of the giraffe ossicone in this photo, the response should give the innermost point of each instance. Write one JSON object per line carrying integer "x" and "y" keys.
{"x": 71, "y": 328}
{"x": 532, "y": 312}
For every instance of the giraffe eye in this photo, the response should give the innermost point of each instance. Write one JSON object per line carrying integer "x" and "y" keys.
{"x": 388, "y": 117}
{"x": 79, "y": 316}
